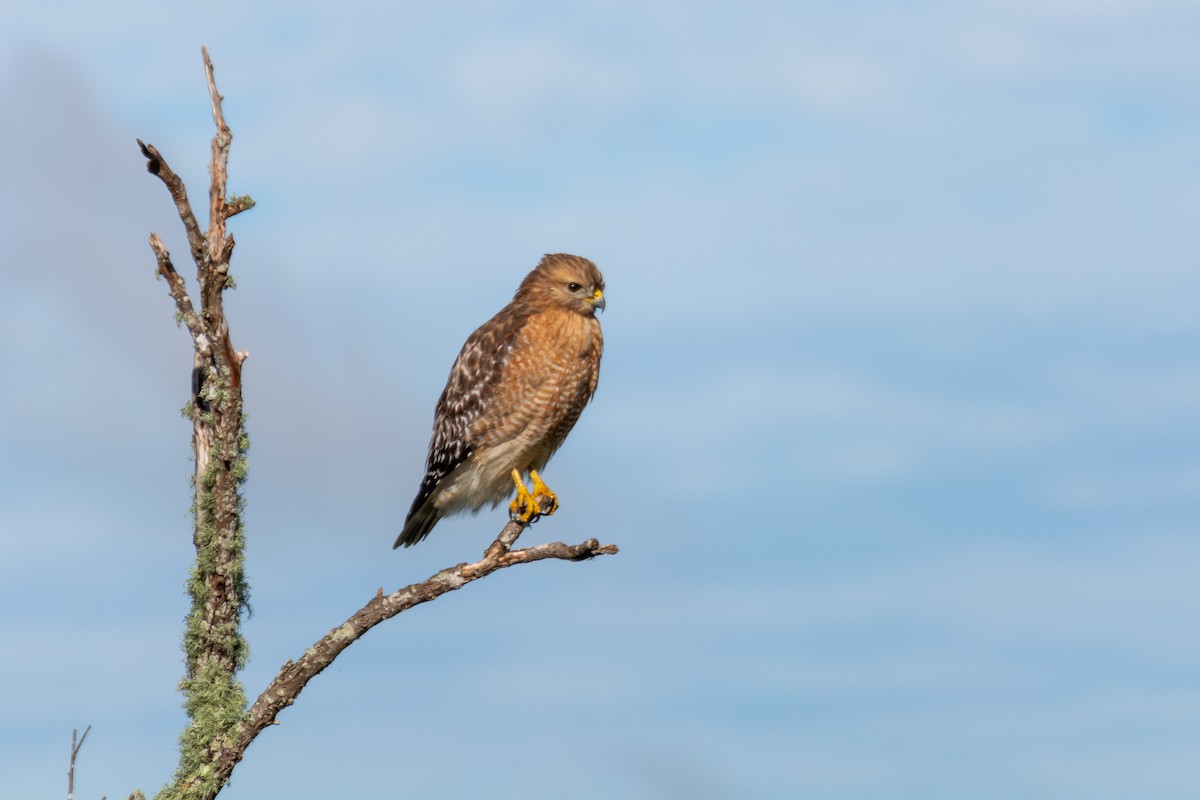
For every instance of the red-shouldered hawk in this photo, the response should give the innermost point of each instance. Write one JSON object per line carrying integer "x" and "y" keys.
{"x": 515, "y": 391}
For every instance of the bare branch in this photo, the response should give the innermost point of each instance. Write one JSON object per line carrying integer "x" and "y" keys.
{"x": 295, "y": 675}
{"x": 157, "y": 165}
{"x": 178, "y": 290}
{"x": 75, "y": 748}
{"x": 218, "y": 169}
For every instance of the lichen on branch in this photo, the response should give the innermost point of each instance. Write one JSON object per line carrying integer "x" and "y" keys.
{"x": 214, "y": 647}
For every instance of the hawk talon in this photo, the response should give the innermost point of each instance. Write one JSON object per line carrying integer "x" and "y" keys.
{"x": 525, "y": 506}
{"x": 542, "y": 490}
{"x": 519, "y": 511}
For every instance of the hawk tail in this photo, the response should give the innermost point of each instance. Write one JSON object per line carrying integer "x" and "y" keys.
{"x": 417, "y": 526}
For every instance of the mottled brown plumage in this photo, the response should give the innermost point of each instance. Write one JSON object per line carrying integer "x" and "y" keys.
{"x": 515, "y": 391}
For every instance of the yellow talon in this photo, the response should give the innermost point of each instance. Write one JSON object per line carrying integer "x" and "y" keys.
{"x": 523, "y": 508}
{"x": 542, "y": 490}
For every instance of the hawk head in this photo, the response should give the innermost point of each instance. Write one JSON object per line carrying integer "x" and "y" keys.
{"x": 565, "y": 281}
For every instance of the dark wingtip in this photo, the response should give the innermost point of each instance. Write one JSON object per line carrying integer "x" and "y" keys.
{"x": 418, "y": 525}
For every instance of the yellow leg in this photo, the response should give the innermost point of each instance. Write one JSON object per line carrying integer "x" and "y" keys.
{"x": 542, "y": 490}
{"x": 523, "y": 508}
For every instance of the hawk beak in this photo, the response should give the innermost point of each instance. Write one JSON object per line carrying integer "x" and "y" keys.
{"x": 598, "y": 300}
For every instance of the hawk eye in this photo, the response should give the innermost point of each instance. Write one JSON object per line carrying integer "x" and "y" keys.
{"x": 574, "y": 287}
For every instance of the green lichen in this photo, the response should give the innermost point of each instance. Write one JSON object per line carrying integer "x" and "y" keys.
{"x": 213, "y": 645}
{"x": 241, "y": 199}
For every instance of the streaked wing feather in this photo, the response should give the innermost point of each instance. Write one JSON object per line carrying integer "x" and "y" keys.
{"x": 473, "y": 381}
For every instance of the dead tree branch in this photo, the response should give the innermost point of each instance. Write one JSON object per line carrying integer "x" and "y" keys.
{"x": 293, "y": 676}
{"x": 75, "y": 748}
{"x": 213, "y": 645}
{"x": 221, "y": 726}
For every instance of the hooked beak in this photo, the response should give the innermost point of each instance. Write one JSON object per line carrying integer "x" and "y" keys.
{"x": 598, "y": 300}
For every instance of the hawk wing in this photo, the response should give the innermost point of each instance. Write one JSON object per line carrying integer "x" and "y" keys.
{"x": 473, "y": 380}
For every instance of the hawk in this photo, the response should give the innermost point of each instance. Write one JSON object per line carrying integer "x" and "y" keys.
{"x": 515, "y": 391}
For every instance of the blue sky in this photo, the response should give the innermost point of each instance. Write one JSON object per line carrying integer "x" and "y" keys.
{"x": 896, "y": 427}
